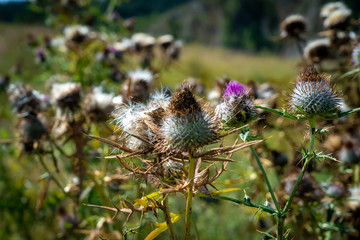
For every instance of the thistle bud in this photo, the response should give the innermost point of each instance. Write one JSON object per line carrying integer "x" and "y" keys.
{"x": 313, "y": 94}
{"x": 187, "y": 126}
{"x": 237, "y": 108}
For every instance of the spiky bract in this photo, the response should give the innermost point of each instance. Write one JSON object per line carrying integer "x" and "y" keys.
{"x": 313, "y": 94}
{"x": 187, "y": 131}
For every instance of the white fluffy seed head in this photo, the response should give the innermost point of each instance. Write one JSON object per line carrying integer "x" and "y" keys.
{"x": 130, "y": 120}
{"x": 293, "y": 25}
{"x": 141, "y": 75}
{"x": 328, "y": 8}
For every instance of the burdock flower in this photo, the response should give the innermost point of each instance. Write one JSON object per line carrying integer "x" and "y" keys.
{"x": 293, "y": 26}
{"x": 355, "y": 56}
{"x": 187, "y": 126}
{"x": 237, "y": 108}
{"x": 313, "y": 94}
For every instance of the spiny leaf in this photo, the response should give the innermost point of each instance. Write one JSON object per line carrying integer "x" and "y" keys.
{"x": 153, "y": 196}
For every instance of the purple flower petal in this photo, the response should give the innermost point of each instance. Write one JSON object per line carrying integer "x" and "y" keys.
{"x": 234, "y": 88}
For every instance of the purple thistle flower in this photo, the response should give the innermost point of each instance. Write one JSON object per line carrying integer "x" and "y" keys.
{"x": 234, "y": 88}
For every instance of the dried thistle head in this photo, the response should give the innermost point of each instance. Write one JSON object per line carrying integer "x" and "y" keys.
{"x": 317, "y": 50}
{"x": 98, "y": 105}
{"x": 338, "y": 19}
{"x": 165, "y": 41}
{"x": 183, "y": 102}
{"x": 129, "y": 120}
{"x": 237, "y": 108}
{"x": 293, "y": 26}
{"x": 25, "y": 99}
{"x": 66, "y": 95}
{"x": 138, "y": 84}
{"x": 329, "y": 8}
{"x": 313, "y": 94}
{"x": 32, "y": 129}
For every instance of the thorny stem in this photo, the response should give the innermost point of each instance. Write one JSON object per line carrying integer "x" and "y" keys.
{"x": 249, "y": 204}
{"x": 303, "y": 170}
{"x": 48, "y": 171}
{"x": 169, "y": 224}
{"x": 266, "y": 178}
{"x": 191, "y": 175}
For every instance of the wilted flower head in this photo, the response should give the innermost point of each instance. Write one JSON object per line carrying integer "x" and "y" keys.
{"x": 349, "y": 153}
{"x": 165, "y": 41}
{"x": 187, "y": 125}
{"x": 66, "y": 95}
{"x": 237, "y": 108}
{"x": 338, "y": 19}
{"x": 354, "y": 199}
{"x": 130, "y": 120}
{"x": 76, "y": 33}
{"x": 355, "y": 56}
{"x": 137, "y": 86}
{"x": 141, "y": 75}
{"x": 98, "y": 105}
{"x": 313, "y": 94}
{"x": 25, "y": 99}
{"x": 142, "y": 41}
{"x": 31, "y": 129}
{"x": 293, "y": 26}
{"x": 328, "y": 8}
{"x": 317, "y": 50}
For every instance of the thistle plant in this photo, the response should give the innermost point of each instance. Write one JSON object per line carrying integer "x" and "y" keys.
{"x": 169, "y": 135}
{"x": 313, "y": 96}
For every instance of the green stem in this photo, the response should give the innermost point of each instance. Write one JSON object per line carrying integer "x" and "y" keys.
{"x": 191, "y": 175}
{"x": 266, "y": 179}
{"x": 166, "y": 211}
{"x": 48, "y": 171}
{"x": 249, "y": 204}
{"x": 312, "y": 129}
{"x": 280, "y": 232}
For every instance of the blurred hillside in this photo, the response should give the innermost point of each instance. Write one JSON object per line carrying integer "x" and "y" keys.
{"x": 243, "y": 24}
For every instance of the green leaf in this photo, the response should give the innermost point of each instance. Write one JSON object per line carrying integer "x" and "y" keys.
{"x": 357, "y": 70}
{"x": 161, "y": 227}
{"x": 153, "y": 196}
{"x": 283, "y": 113}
